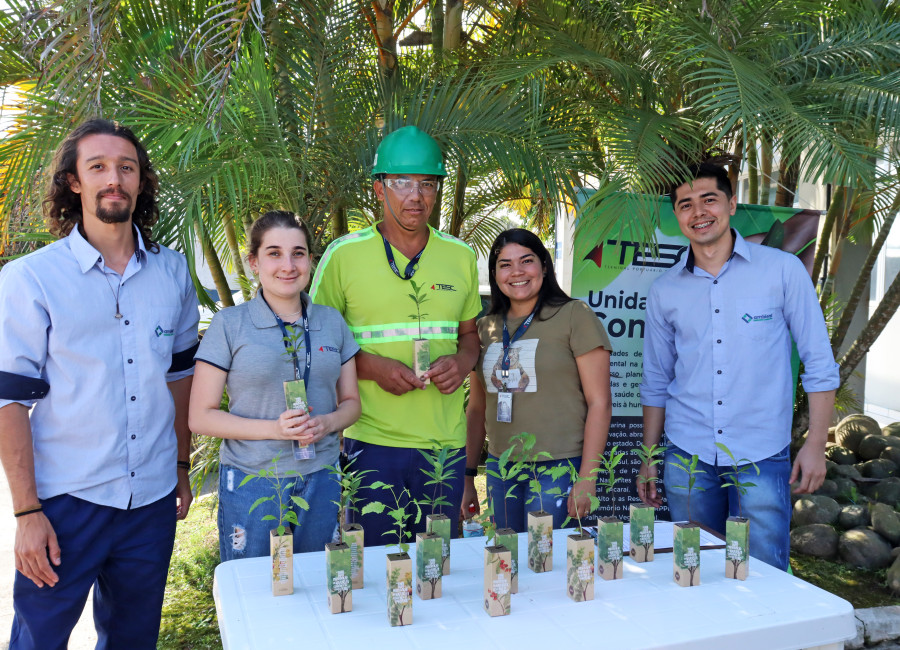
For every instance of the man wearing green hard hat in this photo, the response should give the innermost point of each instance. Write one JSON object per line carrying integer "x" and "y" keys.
{"x": 410, "y": 296}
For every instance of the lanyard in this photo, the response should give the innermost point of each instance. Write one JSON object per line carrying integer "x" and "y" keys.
{"x": 410, "y": 268}
{"x": 290, "y": 348}
{"x": 507, "y": 341}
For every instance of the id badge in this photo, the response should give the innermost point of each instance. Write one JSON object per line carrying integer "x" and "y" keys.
{"x": 504, "y": 407}
{"x": 295, "y": 399}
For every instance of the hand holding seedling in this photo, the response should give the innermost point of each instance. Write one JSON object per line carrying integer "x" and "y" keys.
{"x": 581, "y": 504}
{"x": 293, "y": 424}
{"x": 391, "y": 375}
{"x": 446, "y": 373}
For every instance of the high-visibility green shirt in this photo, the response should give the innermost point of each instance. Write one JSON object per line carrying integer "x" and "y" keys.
{"x": 354, "y": 277}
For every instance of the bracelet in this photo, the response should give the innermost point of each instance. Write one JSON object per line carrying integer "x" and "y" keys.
{"x": 28, "y": 511}
{"x": 183, "y": 464}
{"x": 471, "y": 471}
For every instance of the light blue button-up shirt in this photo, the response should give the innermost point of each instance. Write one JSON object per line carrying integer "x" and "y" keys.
{"x": 717, "y": 351}
{"x": 104, "y": 432}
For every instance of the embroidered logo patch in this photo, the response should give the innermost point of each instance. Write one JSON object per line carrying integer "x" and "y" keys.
{"x": 747, "y": 318}
{"x": 442, "y": 287}
{"x": 327, "y": 348}
{"x": 161, "y": 332}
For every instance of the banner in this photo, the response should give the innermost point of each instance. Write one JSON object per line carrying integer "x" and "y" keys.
{"x": 613, "y": 277}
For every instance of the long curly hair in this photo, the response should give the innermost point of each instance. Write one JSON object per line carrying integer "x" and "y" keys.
{"x": 62, "y": 206}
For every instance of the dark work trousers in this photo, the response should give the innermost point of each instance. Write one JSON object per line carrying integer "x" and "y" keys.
{"x": 401, "y": 467}
{"x": 123, "y": 554}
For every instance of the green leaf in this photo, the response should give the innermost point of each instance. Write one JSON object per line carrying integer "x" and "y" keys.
{"x": 375, "y": 507}
{"x": 260, "y": 501}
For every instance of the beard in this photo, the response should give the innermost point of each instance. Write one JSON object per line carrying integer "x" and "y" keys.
{"x": 114, "y": 214}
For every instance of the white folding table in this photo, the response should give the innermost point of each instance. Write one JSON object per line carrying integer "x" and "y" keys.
{"x": 645, "y": 609}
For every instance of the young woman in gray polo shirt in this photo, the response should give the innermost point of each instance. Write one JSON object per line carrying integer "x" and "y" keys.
{"x": 244, "y": 350}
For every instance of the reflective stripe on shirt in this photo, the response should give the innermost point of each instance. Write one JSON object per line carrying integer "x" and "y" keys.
{"x": 390, "y": 332}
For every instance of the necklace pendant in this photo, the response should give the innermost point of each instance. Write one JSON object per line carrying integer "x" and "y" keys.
{"x": 118, "y": 315}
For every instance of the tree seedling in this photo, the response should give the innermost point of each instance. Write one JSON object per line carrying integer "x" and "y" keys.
{"x": 510, "y": 473}
{"x": 279, "y": 540}
{"x": 398, "y": 513}
{"x": 649, "y": 456}
{"x": 350, "y": 482}
{"x": 608, "y": 464}
{"x": 530, "y": 460}
{"x": 738, "y": 468}
{"x": 689, "y": 467}
{"x": 419, "y": 298}
{"x": 286, "y": 514}
{"x": 441, "y": 458}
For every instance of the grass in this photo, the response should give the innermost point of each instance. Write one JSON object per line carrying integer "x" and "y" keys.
{"x": 860, "y": 587}
{"x": 189, "y": 612}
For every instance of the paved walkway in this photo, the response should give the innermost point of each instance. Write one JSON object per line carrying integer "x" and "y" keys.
{"x": 84, "y": 637}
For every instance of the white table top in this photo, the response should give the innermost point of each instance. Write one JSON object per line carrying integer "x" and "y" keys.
{"x": 645, "y": 609}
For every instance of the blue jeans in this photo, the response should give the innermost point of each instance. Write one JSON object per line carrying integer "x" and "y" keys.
{"x": 124, "y": 554}
{"x": 512, "y": 512}
{"x": 401, "y": 467}
{"x": 767, "y": 504}
{"x": 244, "y": 534}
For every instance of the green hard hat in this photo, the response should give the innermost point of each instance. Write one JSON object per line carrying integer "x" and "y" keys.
{"x": 408, "y": 151}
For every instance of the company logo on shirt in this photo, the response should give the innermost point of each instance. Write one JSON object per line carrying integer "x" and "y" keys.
{"x": 161, "y": 332}
{"x": 327, "y": 348}
{"x": 442, "y": 287}
{"x": 747, "y": 318}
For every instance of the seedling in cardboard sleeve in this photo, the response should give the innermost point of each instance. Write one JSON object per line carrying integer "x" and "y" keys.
{"x": 737, "y": 529}
{"x": 421, "y": 346}
{"x": 441, "y": 458}
{"x": 280, "y": 538}
{"x": 350, "y": 482}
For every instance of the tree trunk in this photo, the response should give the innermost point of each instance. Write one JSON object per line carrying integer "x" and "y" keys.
{"x": 236, "y": 260}
{"x": 788, "y": 175}
{"x": 339, "y": 221}
{"x": 734, "y": 167}
{"x": 765, "y": 182}
{"x": 839, "y": 235}
{"x": 877, "y": 322}
{"x": 752, "y": 175}
{"x": 384, "y": 26}
{"x": 215, "y": 266}
{"x": 457, "y": 215}
{"x": 437, "y": 30}
{"x": 453, "y": 24}
{"x": 864, "y": 277}
{"x": 839, "y": 205}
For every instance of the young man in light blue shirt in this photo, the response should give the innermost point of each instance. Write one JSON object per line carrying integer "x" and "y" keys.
{"x": 97, "y": 337}
{"x": 717, "y": 369}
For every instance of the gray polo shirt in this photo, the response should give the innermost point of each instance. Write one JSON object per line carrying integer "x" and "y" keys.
{"x": 246, "y": 342}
